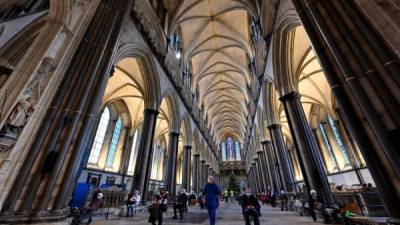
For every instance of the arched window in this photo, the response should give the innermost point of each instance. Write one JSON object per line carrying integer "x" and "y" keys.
{"x": 158, "y": 163}
{"x": 132, "y": 157}
{"x": 230, "y": 149}
{"x": 237, "y": 150}
{"x": 114, "y": 143}
{"x": 223, "y": 151}
{"x": 99, "y": 138}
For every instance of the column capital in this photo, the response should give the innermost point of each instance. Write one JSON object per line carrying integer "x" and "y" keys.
{"x": 196, "y": 155}
{"x": 266, "y": 142}
{"x": 151, "y": 111}
{"x": 174, "y": 134}
{"x": 187, "y": 147}
{"x": 290, "y": 96}
{"x": 274, "y": 126}
{"x": 203, "y": 161}
{"x": 207, "y": 165}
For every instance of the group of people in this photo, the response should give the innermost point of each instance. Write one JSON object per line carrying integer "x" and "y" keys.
{"x": 208, "y": 198}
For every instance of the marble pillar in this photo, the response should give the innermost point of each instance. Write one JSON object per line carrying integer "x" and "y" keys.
{"x": 332, "y": 45}
{"x": 64, "y": 135}
{"x": 285, "y": 167}
{"x": 196, "y": 173}
{"x": 310, "y": 159}
{"x": 172, "y": 157}
{"x": 145, "y": 153}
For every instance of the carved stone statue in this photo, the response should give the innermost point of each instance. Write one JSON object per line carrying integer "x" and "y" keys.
{"x": 18, "y": 117}
{"x": 21, "y": 112}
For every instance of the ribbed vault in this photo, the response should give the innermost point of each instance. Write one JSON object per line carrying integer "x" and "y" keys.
{"x": 216, "y": 44}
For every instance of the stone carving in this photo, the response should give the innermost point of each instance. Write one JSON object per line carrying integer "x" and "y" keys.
{"x": 149, "y": 24}
{"x": 261, "y": 56}
{"x": 174, "y": 71}
{"x": 26, "y": 104}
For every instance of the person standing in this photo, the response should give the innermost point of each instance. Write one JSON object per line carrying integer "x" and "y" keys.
{"x": 181, "y": 204}
{"x": 95, "y": 204}
{"x": 212, "y": 192}
{"x": 284, "y": 200}
{"x": 250, "y": 207}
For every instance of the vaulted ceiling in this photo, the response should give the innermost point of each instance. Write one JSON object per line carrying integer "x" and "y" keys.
{"x": 216, "y": 42}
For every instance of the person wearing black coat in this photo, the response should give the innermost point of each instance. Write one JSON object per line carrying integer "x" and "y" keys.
{"x": 250, "y": 207}
{"x": 180, "y": 204}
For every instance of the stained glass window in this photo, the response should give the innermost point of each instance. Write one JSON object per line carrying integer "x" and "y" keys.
{"x": 328, "y": 145}
{"x": 99, "y": 137}
{"x": 230, "y": 149}
{"x": 114, "y": 143}
{"x": 339, "y": 140}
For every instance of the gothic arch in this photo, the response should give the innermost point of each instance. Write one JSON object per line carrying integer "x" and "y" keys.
{"x": 150, "y": 76}
{"x": 186, "y": 131}
{"x": 283, "y": 81}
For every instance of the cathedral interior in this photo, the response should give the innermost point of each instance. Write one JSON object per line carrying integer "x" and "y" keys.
{"x": 297, "y": 96}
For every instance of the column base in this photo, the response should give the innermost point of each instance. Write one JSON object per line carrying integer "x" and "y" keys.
{"x": 393, "y": 221}
{"x": 59, "y": 217}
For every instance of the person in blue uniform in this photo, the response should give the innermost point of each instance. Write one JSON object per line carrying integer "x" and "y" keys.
{"x": 212, "y": 192}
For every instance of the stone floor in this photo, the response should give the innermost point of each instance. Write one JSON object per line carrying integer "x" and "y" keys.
{"x": 228, "y": 214}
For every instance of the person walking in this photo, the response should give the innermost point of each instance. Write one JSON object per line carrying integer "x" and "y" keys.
{"x": 250, "y": 207}
{"x": 212, "y": 192}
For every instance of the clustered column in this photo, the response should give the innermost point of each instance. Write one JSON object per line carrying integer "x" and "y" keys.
{"x": 71, "y": 113}
{"x": 196, "y": 172}
{"x": 359, "y": 67}
{"x": 186, "y": 167}
{"x": 143, "y": 161}
{"x": 266, "y": 166}
{"x": 281, "y": 153}
{"x": 203, "y": 173}
{"x": 310, "y": 159}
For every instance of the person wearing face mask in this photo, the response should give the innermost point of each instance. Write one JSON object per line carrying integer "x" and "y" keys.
{"x": 250, "y": 207}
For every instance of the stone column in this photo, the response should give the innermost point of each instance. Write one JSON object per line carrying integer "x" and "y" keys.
{"x": 363, "y": 119}
{"x": 273, "y": 168}
{"x": 285, "y": 166}
{"x": 145, "y": 154}
{"x": 256, "y": 176}
{"x": 310, "y": 159}
{"x": 206, "y": 173}
{"x": 202, "y": 174}
{"x": 196, "y": 172}
{"x": 172, "y": 157}
{"x": 187, "y": 165}
{"x": 126, "y": 153}
{"x": 262, "y": 170}
{"x": 250, "y": 179}
{"x": 55, "y": 149}
{"x": 266, "y": 167}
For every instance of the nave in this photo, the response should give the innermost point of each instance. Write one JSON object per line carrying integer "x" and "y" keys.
{"x": 228, "y": 214}
{"x": 130, "y": 97}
